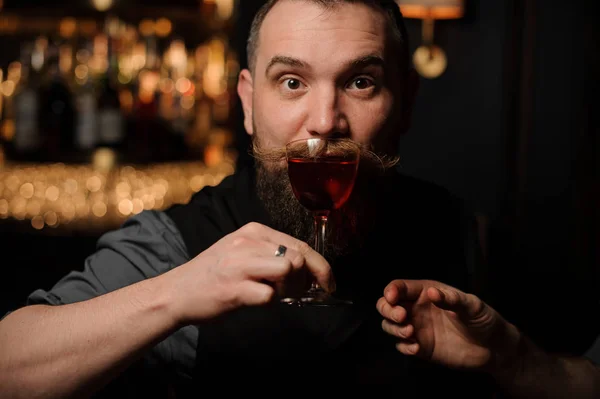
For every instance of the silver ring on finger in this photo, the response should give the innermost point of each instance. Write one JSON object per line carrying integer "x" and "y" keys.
{"x": 281, "y": 250}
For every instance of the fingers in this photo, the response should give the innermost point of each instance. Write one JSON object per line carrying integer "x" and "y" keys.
{"x": 395, "y": 321}
{"x": 247, "y": 248}
{"x": 396, "y": 324}
{"x": 466, "y": 306}
{"x": 252, "y": 293}
{"x": 408, "y": 347}
{"x": 266, "y": 268}
{"x": 414, "y": 309}
{"x": 403, "y": 290}
{"x": 396, "y": 314}
{"x": 314, "y": 262}
{"x": 403, "y": 331}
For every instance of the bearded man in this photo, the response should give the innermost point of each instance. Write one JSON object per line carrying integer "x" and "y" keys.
{"x": 190, "y": 297}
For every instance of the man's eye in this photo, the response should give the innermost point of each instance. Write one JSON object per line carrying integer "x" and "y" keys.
{"x": 361, "y": 83}
{"x": 292, "y": 84}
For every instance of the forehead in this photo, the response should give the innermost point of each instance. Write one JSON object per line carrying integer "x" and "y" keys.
{"x": 309, "y": 31}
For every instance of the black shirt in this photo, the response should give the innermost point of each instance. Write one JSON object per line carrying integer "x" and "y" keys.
{"x": 422, "y": 232}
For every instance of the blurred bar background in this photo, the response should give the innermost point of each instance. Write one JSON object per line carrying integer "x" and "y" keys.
{"x": 89, "y": 94}
{"x": 111, "y": 107}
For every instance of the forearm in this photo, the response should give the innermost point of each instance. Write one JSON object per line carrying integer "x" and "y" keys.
{"x": 72, "y": 350}
{"x": 535, "y": 373}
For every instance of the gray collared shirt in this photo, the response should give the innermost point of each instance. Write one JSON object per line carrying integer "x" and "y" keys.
{"x": 146, "y": 246}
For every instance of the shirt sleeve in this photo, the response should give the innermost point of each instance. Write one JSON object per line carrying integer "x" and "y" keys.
{"x": 145, "y": 246}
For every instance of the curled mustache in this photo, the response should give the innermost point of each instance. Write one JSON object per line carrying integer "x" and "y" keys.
{"x": 339, "y": 147}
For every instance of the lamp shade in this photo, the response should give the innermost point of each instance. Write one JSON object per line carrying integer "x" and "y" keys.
{"x": 432, "y": 9}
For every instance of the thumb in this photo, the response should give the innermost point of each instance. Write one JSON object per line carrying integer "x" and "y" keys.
{"x": 466, "y": 306}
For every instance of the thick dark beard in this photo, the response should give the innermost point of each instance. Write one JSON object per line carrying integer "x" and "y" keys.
{"x": 286, "y": 213}
{"x": 348, "y": 227}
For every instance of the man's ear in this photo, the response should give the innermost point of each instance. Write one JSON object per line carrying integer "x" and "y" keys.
{"x": 245, "y": 91}
{"x": 409, "y": 98}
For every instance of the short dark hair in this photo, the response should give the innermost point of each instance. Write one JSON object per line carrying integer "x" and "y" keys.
{"x": 389, "y": 7}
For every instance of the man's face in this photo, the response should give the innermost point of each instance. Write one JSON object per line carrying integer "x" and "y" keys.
{"x": 320, "y": 72}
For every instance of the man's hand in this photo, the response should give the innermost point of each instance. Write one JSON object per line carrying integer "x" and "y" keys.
{"x": 241, "y": 269}
{"x": 445, "y": 325}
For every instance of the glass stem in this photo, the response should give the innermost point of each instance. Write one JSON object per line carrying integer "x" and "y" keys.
{"x": 320, "y": 228}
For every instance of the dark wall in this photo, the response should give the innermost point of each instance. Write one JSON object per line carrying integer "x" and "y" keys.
{"x": 550, "y": 174}
{"x": 510, "y": 128}
{"x": 457, "y": 135}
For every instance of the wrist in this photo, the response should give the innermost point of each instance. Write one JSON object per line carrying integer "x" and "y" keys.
{"x": 164, "y": 301}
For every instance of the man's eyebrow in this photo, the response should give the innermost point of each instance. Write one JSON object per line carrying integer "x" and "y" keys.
{"x": 284, "y": 60}
{"x": 366, "y": 61}
{"x": 359, "y": 63}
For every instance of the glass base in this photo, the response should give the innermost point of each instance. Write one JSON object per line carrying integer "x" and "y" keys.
{"x": 316, "y": 297}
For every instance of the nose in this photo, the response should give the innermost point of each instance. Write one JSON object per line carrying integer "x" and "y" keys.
{"x": 326, "y": 116}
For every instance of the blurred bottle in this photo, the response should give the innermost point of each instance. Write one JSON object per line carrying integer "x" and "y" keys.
{"x": 57, "y": 112}
{"x": 111, "y": 121}
{"x": 87, "y": 118}
{"x": 147, "y": 123}
{"x": 26, "y": 143}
